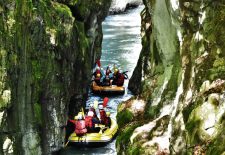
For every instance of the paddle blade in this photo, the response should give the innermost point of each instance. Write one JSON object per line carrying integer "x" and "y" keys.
{"x": 105, "y": 101}
{"x": 95, "y": 104}
{"x": 98, "y": 63}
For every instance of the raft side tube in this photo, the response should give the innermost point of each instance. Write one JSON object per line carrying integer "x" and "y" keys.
{"x": 107, "y": 89}
{"x": 95, "y": 139}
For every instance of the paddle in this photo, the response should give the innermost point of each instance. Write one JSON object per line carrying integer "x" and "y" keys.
{"x": 98, "y": 63}
{"x": 66, "y": 143}
{"x": 105, "y": 101}
{"x": 82, "y": 110}
{"x": 95, "y": 104}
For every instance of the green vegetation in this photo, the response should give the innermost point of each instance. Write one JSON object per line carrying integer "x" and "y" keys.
{"x": 124, "y": 117}
{"x": 187, "y": 110}
{"x": 192, "y": 127}
{"x": 152, "y": 111}
{"x": 217, "y": 145}
{"x": 134, "y": 150}
{"x": 37, "y": 113}
{"x": 43, "y": 49}
{"x": 123, "y": 139}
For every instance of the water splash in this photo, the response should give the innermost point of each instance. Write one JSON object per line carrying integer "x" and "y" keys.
{"x": 120, "y": 5}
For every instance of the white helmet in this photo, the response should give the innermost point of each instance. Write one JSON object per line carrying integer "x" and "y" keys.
{"x": 97, "y": 68}
{"x": 91, "y": 105}
{"x": 79, "y": 116}
{"x": 100, "y": 106}
{"x": 90, "y": 113}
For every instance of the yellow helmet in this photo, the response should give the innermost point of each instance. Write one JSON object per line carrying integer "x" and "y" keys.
{"x": 75, "y": 117}
{"x": 116, "y": 71}
{"x": 107, "y": 113}
{"x": 98, "y": 75}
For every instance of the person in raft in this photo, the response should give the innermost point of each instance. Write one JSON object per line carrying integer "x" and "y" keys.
{"x": 80, "y": 128}
{"x": 98, "y": 79}
{"x": 97, "y": 71}
{"x": 93, "y": 109}
{"x": 90, "y": 122}
{"x": 107, "y": 81}
{"x": 70, "y": 127}
{"x": 102, "y": 112}
{"x": 118, "y": 78}
{"x": 108, "y": 120}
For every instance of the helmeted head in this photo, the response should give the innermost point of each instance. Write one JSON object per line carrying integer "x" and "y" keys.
{"x": 90, "y": 113}
{"x": 108, "y": 67}
{"x": 79, "y": 116}
{"x": 97, "y": 68}
{"x": 98, "y": 75}
{"x": 107, "y": 113}
{"x": 91, "y": 105}
{"x": 100, "y": 106}
{"x": 116, "y": 71}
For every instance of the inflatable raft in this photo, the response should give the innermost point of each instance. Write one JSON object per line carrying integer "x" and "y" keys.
{"x": 107, "y": 89}
{"x": 104, "y": 136}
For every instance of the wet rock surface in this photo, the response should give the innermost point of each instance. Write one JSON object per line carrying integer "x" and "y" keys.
{"x": 47, "y": 51}
{"x": 180, "y": 75}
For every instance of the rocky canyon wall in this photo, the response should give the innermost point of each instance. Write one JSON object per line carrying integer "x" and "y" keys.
{"x": 179, "y": 81}
{"x": 47, "y": 51}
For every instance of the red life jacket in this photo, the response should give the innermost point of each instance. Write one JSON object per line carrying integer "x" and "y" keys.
{"x": 88, "y": 121}
{"x": 80, "y": 127}
{"x": 103, "y": 116}
{"x": 120, "y": 80}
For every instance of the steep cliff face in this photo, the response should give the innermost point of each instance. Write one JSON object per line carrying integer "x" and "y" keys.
{"x": 47, "y": 50}
{"x": 180, "y": 76}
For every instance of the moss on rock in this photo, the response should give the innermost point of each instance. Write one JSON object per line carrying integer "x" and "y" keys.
{"x": 183, "y": 51}
{"x": 123, "y": 139}
{"x": 46, "y": 55}
{"x": 124, "y": 117}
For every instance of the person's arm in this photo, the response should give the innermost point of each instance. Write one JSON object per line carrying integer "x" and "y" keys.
{"x": 102, "y": 78}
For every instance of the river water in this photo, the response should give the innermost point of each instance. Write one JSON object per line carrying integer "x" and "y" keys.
{"x": 121, "y": 46}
